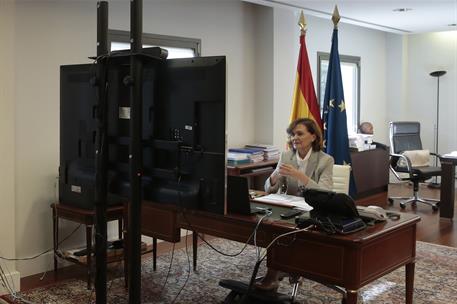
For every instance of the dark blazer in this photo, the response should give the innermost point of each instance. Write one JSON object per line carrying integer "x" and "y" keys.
{"x": 319, "y": 170}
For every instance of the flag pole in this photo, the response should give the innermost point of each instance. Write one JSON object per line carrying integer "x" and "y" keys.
{"x": 335, "y": 119}
{"x": 336, "y": 17}
{"x": 304, "y": 100}
{"x": 302, "y": 23}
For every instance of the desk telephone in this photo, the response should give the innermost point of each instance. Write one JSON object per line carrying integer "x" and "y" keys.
{"x": 373, "y": 212}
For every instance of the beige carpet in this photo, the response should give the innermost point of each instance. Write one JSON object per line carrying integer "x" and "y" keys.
{"x": 435, "y": 280}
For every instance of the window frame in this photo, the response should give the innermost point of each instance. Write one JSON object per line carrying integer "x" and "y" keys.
{"x": 159, "y": 40}
{"x": 347, "y": 59}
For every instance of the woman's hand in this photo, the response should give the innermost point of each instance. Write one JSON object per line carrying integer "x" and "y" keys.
{"x": 291, "y": 171}
{"x": 274, "y": 177}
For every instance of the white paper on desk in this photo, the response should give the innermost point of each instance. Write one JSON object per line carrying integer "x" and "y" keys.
{"x": 285, "y": 200}
{"x": 453, "y": 154}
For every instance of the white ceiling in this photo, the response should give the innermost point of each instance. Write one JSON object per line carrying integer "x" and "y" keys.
{"x": 424, "y": 16}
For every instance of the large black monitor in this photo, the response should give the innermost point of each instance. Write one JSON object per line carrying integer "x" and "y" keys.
{"x": 78, "y": 128}
{"x": 183, "y": 133}
{"x": 190, "y": 111}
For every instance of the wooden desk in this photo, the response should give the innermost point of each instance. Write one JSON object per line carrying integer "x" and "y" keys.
{"x": 447, "y": 192}
{"x": 87, "y": 218}
{"x": 348, "y": 261}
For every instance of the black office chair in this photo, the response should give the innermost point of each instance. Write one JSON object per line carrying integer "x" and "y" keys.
{"x": 405, "y": 136}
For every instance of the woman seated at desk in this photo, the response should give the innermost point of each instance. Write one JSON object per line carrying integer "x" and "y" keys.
{"x": 304, "y": 166}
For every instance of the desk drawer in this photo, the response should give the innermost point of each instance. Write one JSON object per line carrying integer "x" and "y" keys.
{"x": 386, "y": 254}
{"x": 310, "y": 259}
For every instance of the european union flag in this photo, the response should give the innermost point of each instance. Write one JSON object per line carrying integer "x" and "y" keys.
{"x": 336, "y": 141}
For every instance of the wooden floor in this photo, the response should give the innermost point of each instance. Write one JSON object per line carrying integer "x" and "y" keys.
{"x": 430, "y": 229}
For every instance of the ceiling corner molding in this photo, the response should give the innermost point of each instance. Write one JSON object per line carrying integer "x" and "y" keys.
{"x": 325, "y": 15}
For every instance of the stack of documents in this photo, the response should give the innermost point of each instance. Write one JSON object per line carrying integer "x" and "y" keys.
{"x": 285, "y": 200}
{"x": 254, "y": 155}
{"x": 269, "y": 151}
{"x": 237, "y": 158}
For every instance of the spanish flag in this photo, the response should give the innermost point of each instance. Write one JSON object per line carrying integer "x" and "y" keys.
{"x": 304, "y": 103}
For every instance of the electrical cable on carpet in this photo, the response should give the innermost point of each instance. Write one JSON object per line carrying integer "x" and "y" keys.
{"x": 187, "y": 252}
{"x": 217, "y": 250}
{"x": 253, "y": 235}
{"x": 257, "y": 264}
{"x": 11, "y": 290}
{"x": 205, "y": 241}
{"x": 188, "y": 271}
{"x": 168, "y": 273}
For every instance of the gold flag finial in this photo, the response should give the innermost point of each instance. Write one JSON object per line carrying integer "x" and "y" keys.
{"x": 302, "y": 22}
{"x": 336, "y": 16}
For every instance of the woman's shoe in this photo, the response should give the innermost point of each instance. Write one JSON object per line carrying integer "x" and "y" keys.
{"x": 270, "y": 282}
{"x": 267, "y": 285}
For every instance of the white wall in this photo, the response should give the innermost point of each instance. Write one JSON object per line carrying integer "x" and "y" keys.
{"x": 264, "y": 76}
{"x": 427, "y": 53}
{"x": 47, "y": 35}
{"x": 396, "y": 76}
{"x": 412, "y": 92}
{"x": 285, "y": 49}
{"x": 7, "y": 173}
{"x": 52, "y": 33}
{"x": 368, "y": 44}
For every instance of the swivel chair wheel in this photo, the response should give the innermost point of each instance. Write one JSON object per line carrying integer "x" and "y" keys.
{"x": 402, "y": 205}
{"x": 435, "y": 208}
{"x": 390, "y": 200}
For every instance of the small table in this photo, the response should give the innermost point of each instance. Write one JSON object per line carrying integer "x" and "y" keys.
{"x": 447, "y": 192}
{"x": 87, "y": 218}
